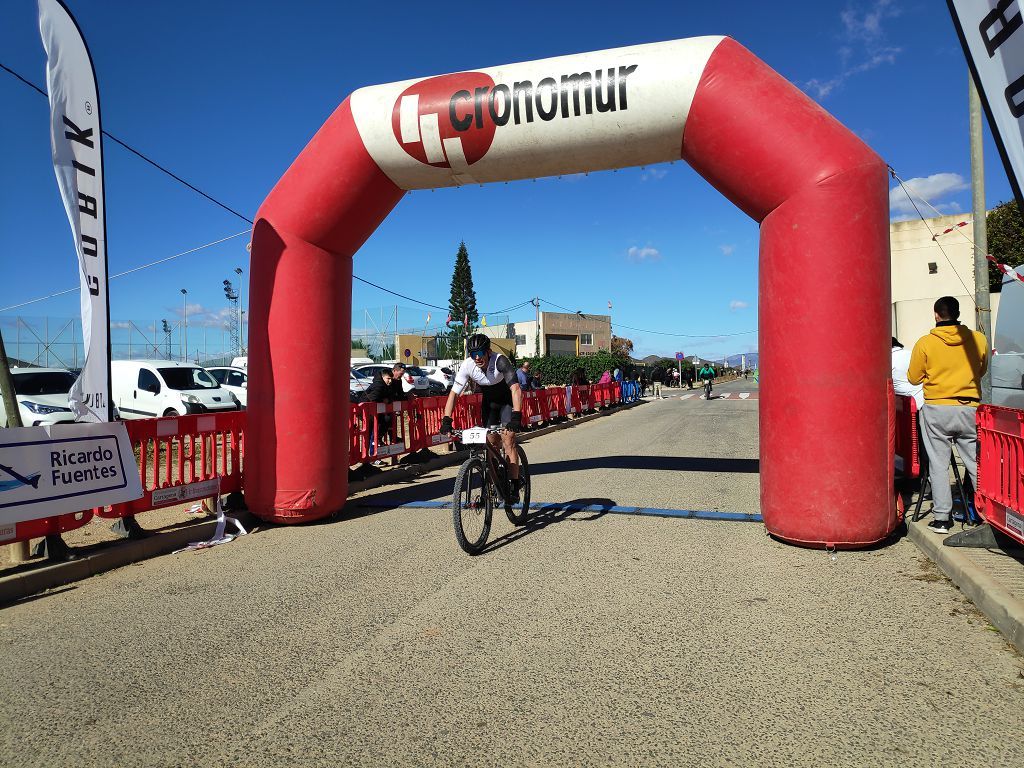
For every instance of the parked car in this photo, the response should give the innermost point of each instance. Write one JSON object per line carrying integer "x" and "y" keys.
{"x": 42, "y": 395}
{"x": 234, "y": 380}
{"x": 357, "y": 385}
{"x": 1007, "y": 366}
{"x": 443, "y": 375}
{"x": 148, "y": 388}
{"x": 414, "y": 381}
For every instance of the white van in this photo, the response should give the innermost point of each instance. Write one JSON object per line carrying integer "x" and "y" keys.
{"x": 145, "y": 389}
{"x": 240, "y": 362}
{"x": 1007, "y": 365}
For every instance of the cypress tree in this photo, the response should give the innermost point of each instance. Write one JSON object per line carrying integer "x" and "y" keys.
{"x": 463, "y": 297}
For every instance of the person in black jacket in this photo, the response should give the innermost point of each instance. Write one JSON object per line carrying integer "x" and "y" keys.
{"x": 386, "y": 388}
{"x": 658, "y": 377}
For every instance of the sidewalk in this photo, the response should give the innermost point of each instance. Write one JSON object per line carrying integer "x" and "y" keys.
{"x": 993, "y": 579}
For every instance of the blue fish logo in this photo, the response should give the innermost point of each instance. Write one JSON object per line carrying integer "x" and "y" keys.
{"x": 19, "y": 479}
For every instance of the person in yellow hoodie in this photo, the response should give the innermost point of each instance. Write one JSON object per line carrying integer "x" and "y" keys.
{"x": 950, "y": 362}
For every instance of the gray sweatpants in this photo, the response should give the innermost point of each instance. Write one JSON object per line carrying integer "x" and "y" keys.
{"x": 941, "y": 424}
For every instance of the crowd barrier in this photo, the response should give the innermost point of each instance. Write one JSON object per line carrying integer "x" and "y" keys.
{"x": 908, "y": 452}
{"x": 999, "y": 497}
{"x": 195, "y": 457}
{"x": 180, "y": 459}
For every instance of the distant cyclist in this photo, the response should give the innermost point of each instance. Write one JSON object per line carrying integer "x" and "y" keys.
{"x": 495, "y": 376}
{"x": 707, "y": 375}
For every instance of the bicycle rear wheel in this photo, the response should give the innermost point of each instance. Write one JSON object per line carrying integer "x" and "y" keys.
{"x": 518, "y": 517}
{"x": 472, "y": 506}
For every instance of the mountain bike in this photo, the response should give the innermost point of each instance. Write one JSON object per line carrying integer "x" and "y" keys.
{"x": 707, "y": 389}
{"x": 483, "y": 482}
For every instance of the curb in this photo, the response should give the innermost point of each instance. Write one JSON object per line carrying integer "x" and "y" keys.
{"x": 1005, "y": 611}
{"x": 21, "y": 585}
{"x": 403, "y": 473}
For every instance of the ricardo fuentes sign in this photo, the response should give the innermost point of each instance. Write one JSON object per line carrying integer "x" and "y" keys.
{"x": 47, "y": 471}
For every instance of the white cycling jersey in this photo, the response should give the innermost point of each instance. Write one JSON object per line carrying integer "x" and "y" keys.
{"x": 499, "y": 370}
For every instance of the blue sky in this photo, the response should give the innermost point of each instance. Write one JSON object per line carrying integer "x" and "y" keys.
{"x": 227, "y": 94}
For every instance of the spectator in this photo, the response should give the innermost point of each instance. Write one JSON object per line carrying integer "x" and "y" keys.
{"x": 535, "y": 381}
{"x": 386, "y": 387}
{"x": 950, "y": 362}
{"x": 675, "y": 377}
{"x": 579, "y": 378}
{"x": 689, "y": 375}
{"x": 617, "y": 376}
{"x": 523, "y": 375}
{"x": 900, "y": 364}
{"x": 642, "y": 381}
{"x": 658, "y": 378}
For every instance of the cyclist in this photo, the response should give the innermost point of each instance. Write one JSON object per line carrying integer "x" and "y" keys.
{"x": 707, "y": 375}
{"x": 495, "y": 376}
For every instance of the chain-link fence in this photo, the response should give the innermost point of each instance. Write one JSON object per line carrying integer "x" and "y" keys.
{"x": 53, "y": 342}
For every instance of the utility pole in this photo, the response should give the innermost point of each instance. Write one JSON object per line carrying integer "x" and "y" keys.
{"x": 241, "y": 313}
{"x": 536, "y": 336}
{"x": 184, "y": 320}
{"x": 983, "y": 311}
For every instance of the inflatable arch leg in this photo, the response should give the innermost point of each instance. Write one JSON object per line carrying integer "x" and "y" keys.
{"x": 819, "y": 193}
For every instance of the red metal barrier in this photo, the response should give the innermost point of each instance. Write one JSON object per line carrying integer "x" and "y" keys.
{"x": 366, "y": 445}
{"x": 533, "y": 410}
{"x": 553, "y": 400}
{"x": 182, "y": 458}
{"x": 908, "y": 455}
{"x": 427, "y": 426}
{"x": 1000, "y": 493}
{"x": 36, "y": 529}
{"x": 579, "y": 399}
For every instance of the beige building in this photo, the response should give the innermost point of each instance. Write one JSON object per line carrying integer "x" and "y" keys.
{"x": 922, "y": 271}
{"x": 560, "y": 333}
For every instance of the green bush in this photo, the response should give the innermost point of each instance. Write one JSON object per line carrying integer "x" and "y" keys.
{"x": 559, "y": 370}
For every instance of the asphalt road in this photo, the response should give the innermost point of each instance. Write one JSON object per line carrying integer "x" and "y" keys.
{"x": 586, "y": 639}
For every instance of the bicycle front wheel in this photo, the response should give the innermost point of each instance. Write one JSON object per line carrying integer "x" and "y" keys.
{"x": 472, "y": 506}
{"x": 518, "y": 517}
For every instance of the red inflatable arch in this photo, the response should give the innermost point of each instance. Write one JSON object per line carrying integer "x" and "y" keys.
{"x": 819, "y": 193}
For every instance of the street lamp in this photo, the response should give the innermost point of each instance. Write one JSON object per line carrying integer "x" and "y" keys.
{"x": 184, "y": 314}
{"x": 241, "y": 312}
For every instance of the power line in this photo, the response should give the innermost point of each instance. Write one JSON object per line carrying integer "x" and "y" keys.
{"x": 138, "y": 154}
{"x": 227, "y": 208}
{"x": 660, "y": 333}
{"x": 892, "y": 172}
{"x": 129, "y": 271}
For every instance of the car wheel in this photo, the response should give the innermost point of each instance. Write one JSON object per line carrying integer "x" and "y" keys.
{"x": 171, "y": 412}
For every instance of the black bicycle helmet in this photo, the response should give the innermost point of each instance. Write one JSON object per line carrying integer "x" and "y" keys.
{"x": 478, "y": 341}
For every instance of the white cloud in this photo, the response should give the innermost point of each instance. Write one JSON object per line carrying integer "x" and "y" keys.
{"x": 737, "y": 304}
{"x": 931, "y": 189}
{"x": 864, "y": 46}
{"x": 120, "y": 325}
{"x": 727, "y": 249}
{"x": 647, "y": 253}
{"x": 653, "y": 173}
{"x": 200, "y": 316}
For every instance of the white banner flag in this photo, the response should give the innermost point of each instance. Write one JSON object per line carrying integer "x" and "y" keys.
{"x": 75, "y": 138}
{"x": 992, "y": 35}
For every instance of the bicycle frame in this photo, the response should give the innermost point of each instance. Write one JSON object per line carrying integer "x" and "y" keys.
{"x": 494, "y": 458}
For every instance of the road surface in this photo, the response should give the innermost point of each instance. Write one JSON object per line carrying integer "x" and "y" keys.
{"x": 586, "y": 639}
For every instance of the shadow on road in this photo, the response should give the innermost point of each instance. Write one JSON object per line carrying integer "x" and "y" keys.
{"x": 550, "y": 514}
{"x": 671, "y": 463}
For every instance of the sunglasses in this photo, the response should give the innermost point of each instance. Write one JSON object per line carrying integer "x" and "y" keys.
{"x": 478, "y": 354}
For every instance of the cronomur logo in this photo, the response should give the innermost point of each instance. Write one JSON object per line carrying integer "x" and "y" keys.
{"x": 449, "y": 121}
{"x": 422, "y": 122}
